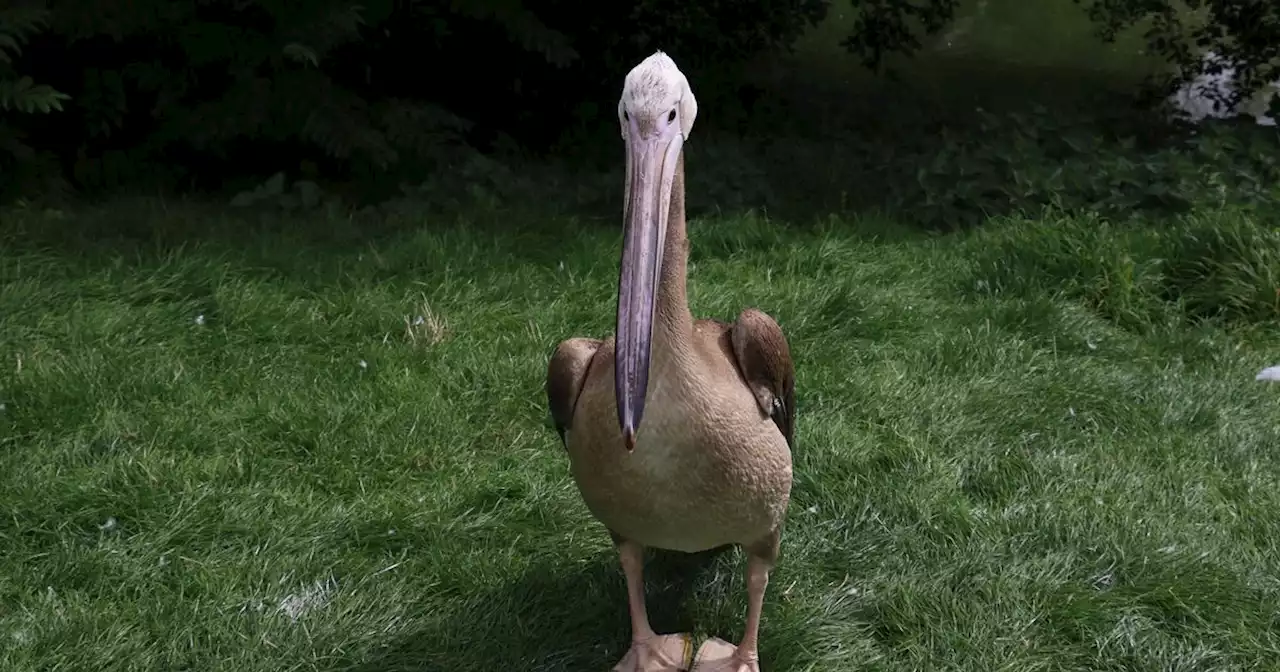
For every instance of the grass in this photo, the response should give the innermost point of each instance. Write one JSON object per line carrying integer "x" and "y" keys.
{"x": 245, "y": 440}
{"x": 995, "y": 469}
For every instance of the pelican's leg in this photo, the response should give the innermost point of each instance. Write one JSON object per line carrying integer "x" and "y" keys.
{"x": 717, "y": 655}
{"x": 649, "y": 652}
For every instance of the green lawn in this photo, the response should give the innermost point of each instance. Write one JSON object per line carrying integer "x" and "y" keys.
{"x": 1008, "y": 458}
{"x": 255, "y": 442}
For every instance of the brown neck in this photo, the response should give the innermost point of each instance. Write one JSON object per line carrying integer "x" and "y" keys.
{"x": 673, "y": 320}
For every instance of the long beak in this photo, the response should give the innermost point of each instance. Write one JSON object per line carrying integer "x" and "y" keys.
{"x": 651, "y": 165}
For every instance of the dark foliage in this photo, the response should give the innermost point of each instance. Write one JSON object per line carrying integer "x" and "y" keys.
{"x": 185, "y": 92}
{"x": 21, "y": 95}
{"x": 885, "y": 27}
{"x": 103, "y": 94}
{"x": 1243, "y": 34}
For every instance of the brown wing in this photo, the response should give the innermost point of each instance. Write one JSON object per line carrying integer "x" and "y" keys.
{"x": 764, "y": 358}
{"x": 565, "y": 373}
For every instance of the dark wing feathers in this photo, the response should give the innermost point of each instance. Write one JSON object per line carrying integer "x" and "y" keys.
{"x": 764, "y": 358}
{"x": 565, "y": 373}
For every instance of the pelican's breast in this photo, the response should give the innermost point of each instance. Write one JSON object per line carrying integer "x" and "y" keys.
{"x": 708, "y": 468}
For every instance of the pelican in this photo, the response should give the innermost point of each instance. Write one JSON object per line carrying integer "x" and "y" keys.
{"x": 678, "y": 431}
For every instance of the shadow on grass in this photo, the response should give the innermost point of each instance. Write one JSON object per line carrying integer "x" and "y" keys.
{"x": 549, "y": 619}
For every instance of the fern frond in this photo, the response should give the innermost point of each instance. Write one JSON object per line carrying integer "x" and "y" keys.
{"x": 336, "y": 26}
{"x": 330, "y": 117}
{"x": 25, "y": 21}
{"x": 9, "y": 47}
{"x": 17, "y": 25}
{"x": 308, "y": 39}
{"x": 301, "y": 53}
{"x": 24, "y": 95}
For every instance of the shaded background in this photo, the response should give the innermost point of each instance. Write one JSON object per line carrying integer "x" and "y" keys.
{"x": 811, "y": 107}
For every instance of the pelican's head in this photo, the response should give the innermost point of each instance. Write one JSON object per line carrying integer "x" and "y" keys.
{"x": 656, "y": 96}
{"x": 656, "y": 113}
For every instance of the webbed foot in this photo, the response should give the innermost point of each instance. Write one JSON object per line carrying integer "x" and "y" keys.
{"x": 660, "y": 653}
{"x": 717, "y": 655}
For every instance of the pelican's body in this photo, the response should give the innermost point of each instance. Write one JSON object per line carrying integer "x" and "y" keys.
{"x": 710, "y": 464}
{"x": 708, "y": 469}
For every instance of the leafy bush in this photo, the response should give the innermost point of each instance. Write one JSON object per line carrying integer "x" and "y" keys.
{"x": 189, "y": 92}
{"x": 202, "y": 92}
{"x": 178, "y": 89}
{"x": 1243, "y": 34}
{"x": 895, "y": 26}
{"x": 1025, "y": 161}
{"x": 20, "y": 95}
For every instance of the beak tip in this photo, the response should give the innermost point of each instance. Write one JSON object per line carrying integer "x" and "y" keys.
{"x": 629, "y": 438}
